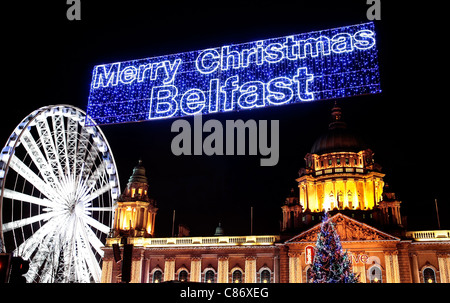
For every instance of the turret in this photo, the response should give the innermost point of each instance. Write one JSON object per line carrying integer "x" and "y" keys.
{"x": 135, "y": 213}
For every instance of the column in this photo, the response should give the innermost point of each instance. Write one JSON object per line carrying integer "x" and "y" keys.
{"x": 359, "y": 267}
{"x": 415, "y": 269}
{"x": 316, "y": 196}
{"x": 388, "y": 266}
{"x": 295, "y": 268}
{"x": 345, "y": 204}
{"x": 275, "y": 269}
{"x": 307, "y": 195}
{"x": 222, "y": 270}
{"x": 107, "y": 271}
{"x": 116, "y": 218}
{"x": 169, "y": 269}
{"x": 146, "y": 270}
{"x": 361, "y": 270}
{"x": 392, "y": 269}
{"x": 399, "y": 217}
{"x": 196, "y": 269}
{"x": 444, "y": 267}
{"x": 363, "y": 202}
{"x": 374, "y": 193}
{"x": 250, "y": 269}
{"x": 335, "y": 199}
{"x": 136, "y": 268}
{"x": 396, "y": 267}
{"x": 285, "y": 217}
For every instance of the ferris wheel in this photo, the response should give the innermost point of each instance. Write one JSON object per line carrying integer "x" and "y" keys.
{"x": 59, "y": 187}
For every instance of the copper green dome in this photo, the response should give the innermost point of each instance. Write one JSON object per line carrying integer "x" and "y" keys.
{"x": 338, "y": 138}
{"x": 219, "y": 231}
{"x": 138, "y": 174}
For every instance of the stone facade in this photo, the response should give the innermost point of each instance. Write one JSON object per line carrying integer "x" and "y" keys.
{"x": 340, "y": 177}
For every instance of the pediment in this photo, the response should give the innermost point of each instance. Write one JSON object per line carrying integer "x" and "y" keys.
{"x": 348, "y": 229}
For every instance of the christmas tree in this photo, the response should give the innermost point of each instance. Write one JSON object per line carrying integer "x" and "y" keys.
{"x": 331, "y": 264}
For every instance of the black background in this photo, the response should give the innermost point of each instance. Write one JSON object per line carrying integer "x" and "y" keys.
{"x": 47, "y": 59}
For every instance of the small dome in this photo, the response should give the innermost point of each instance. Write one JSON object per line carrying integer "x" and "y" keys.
{"x": 338, "y": 138}
{"x": 219, "y": 231}
{"x": 138, "y": 174}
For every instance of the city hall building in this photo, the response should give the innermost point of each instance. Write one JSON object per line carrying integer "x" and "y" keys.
{"x": 340, "y": 176}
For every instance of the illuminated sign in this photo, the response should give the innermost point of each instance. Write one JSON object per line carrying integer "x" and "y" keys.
{"x": 332, "y": 63}
{"x": 309, "y": 254}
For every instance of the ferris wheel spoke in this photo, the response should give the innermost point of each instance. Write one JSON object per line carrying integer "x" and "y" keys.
{"x": 11, "y": 194}
{"x": 94, "y": 208}
{"x": 49, "y": 146}
{"x": 80, "y": 155}
{"x": 17, "y": 165}
{"x": 49, "y": 249}
{"x": 90, "y": 160}
{"x": 39, "y": 160}
{"x": 96, "y": 193}
{"x": 96, "y": 175}
{"x": 100, "y": 226}
{"x": 42, "y": 255}
{"x": 27, "y": 221}
{"x": 81, "y": 256}
{"x": 27, "y": 248}
{"x": 72, "y": 138}
{"x": 61, "y": 143}
{"x": 94, "y": 241}
{"x": 50, "y": 266}
{"x": 91, "y": 261}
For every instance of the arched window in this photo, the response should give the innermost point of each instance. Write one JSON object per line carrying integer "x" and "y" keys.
{"x": 183, "y": 276}
{"x": 264, "y": 276}
{"x": 340, "y": 200}
{"x": 210, "y": 276}
{"x": 429, "y": 276}
{"x": 350, "y": 199}
{"x": 157, "y": 276}
{"x": 331, "y": 200}
{"x": 237, "y": 276}
{"x": 375, "y": 275}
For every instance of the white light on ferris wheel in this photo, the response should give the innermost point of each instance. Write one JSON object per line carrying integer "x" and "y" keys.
{"x": 58, "y": 190}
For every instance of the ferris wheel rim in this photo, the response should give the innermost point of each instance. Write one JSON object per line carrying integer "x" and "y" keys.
{"x": 10, "y": 148}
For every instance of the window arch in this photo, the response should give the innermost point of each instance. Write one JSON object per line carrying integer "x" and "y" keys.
{"x": 183, "y": 276}
{"x": 209, "y": 276}
{"x": 331, "y": 195}
{"x": 350, "y": 199}
{"x": 157, "y": 276}
{"x": 236, "y": 276}
{"x": 375, "y": 274}
{"x": 340, "y": 200}
{"x": 265, "y": 275}
{"x": 429, "y": 275}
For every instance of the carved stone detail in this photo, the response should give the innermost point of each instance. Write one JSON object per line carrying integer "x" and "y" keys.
{"x": 348, "y": 230}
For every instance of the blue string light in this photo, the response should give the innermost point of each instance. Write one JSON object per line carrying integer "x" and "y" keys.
{"x": 327, "y": 64}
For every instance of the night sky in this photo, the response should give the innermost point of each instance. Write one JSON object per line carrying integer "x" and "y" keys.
{"x": 49, "y": 60}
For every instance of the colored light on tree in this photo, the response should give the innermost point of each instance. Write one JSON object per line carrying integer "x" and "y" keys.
{"x": 331, "y": 264}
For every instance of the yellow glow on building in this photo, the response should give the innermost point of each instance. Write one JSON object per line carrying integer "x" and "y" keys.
{"x": 136, "y": 215}
{"x": 340, "y": 172}
{"x": 135, "y": 212}
{"x": 343, "y": 184}
{"x": 198, "y": 241}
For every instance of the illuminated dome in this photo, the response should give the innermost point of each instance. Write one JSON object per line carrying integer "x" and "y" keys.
{"x": 338, "y": 138}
